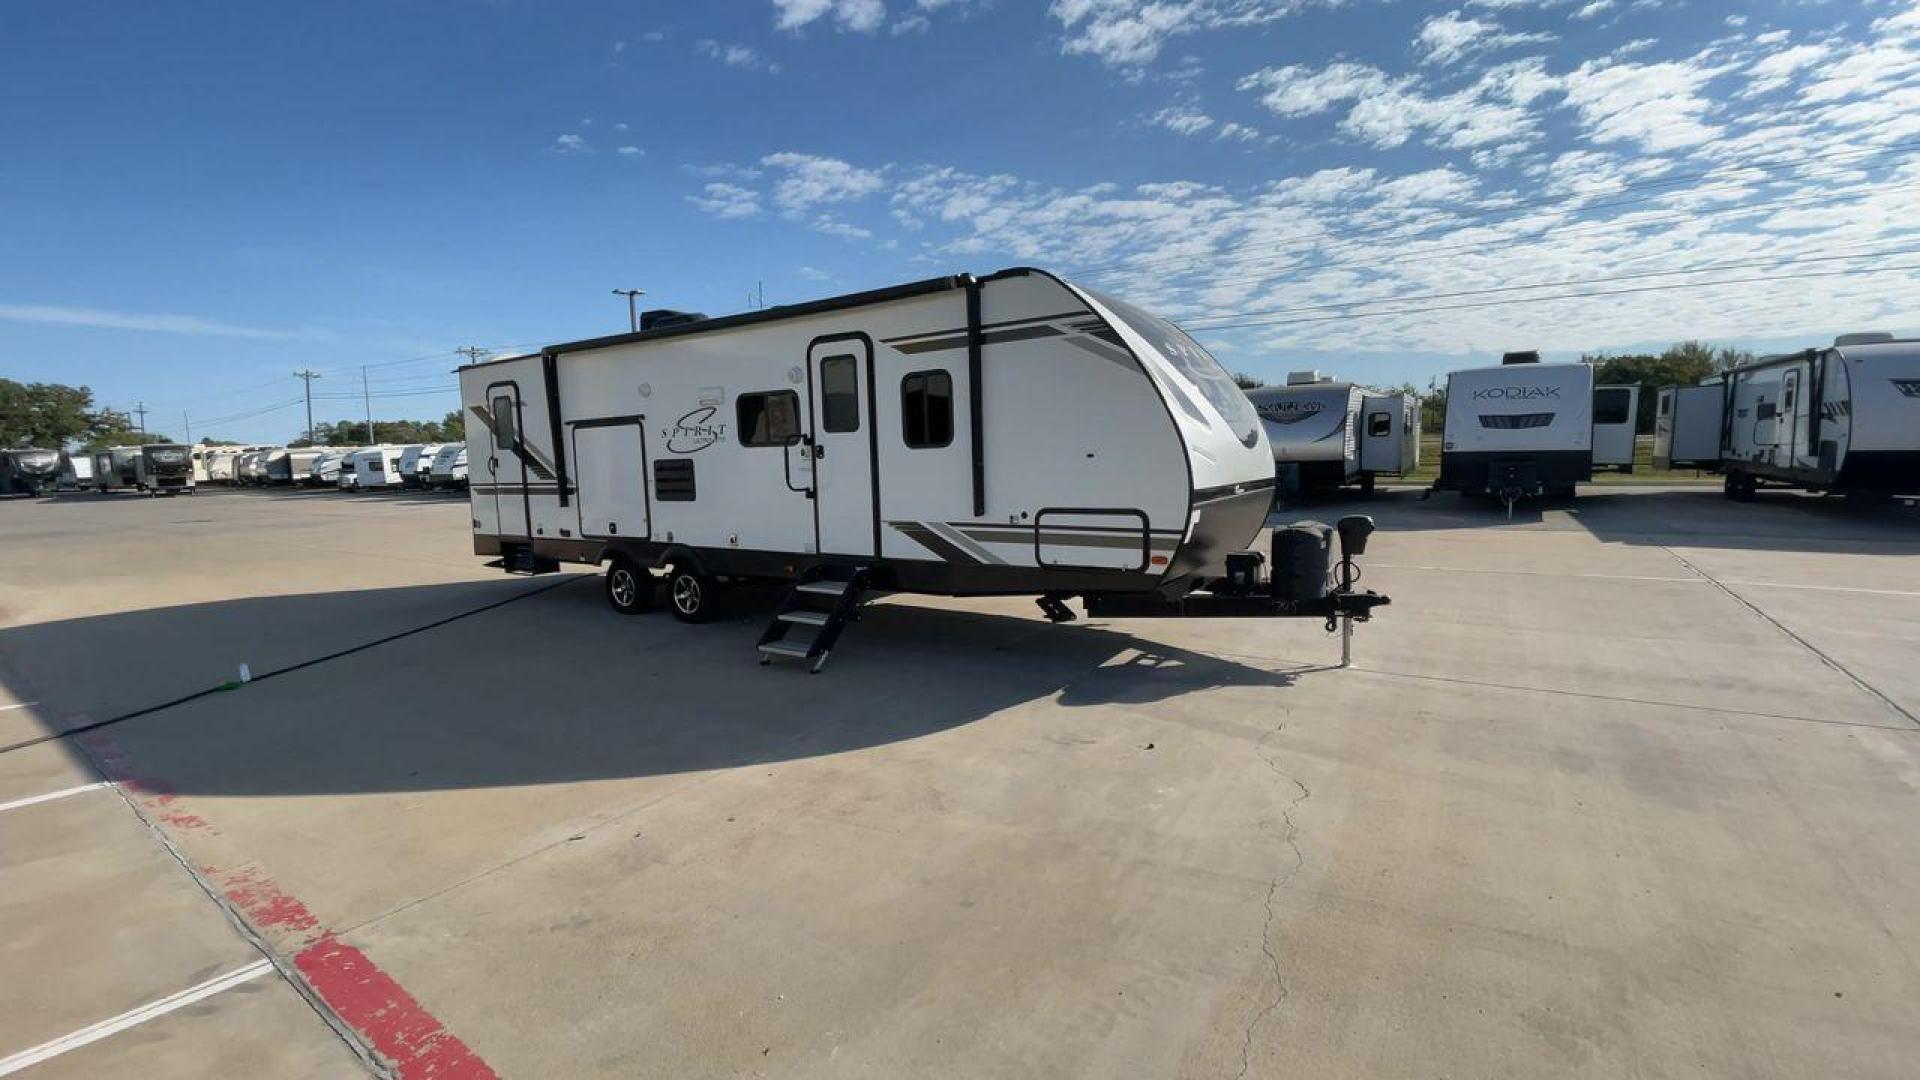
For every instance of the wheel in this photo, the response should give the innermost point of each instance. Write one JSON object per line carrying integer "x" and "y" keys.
{"x": 692, "y": 595}
{"x": 1740, "y": 487}
{"x": 629, "y": 588}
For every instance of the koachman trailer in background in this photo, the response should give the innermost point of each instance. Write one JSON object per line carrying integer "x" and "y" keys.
{"x": 29, "y": 471}
{"x": 1527, "y": 429}
{"x": 1841, "y": 420}
{"x": 156, "y": 468}
{"x": 1327, "y": 434}
{"x": 1012, "y": 434}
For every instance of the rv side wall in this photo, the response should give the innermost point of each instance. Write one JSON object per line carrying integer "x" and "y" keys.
{"x": 722, "y": 436}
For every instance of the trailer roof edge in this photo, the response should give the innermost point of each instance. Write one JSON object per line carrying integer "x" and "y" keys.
{"x": 747, "y": 318}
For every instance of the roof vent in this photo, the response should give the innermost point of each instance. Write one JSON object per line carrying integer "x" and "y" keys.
{"x": 660, "y": 318}
{"x": 1304, "y": 378}
{"x": 1871, "y": 337}
{"x": 1531, "y": 356}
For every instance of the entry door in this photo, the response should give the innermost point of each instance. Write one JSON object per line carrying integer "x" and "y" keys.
{"x": 504, "y": 469}
{"x": 610, "y": 469}
{"x": 1787, "y": 431}
{"x": 840, "y": 373}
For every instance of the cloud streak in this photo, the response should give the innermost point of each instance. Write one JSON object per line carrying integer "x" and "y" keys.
{"x": 103, "y": 319}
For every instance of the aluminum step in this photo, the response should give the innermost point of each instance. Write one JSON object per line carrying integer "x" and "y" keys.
{"x": 809, "y": 618}
{"x": 822, "y": 587}
{"x": 785, "y": 648}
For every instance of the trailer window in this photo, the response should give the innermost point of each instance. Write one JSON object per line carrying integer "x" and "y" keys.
{"x": 503, "y": 421}
{"x": 840, "y": 394}
{"x": 1610, "y": 406}
{"x": 1379, "y": 425}
{"x": 768, "y": 419}
{"x": 926, "y": 409}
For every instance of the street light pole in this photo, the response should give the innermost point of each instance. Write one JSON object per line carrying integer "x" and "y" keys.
{"x": 633, "y": 313}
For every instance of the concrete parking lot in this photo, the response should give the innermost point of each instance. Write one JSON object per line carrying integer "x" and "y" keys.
{"x": 1621, "y": 787}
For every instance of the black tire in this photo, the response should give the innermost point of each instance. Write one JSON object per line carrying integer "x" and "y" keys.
{"x": 1740, "y": 487}
{"x": 691, "y": 595}
{"x": 629, "y": 588}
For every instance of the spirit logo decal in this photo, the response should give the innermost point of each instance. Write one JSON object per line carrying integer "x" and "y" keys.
{"x": 694, "y": 432}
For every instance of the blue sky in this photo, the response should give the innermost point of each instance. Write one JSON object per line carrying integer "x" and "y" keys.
{"x": 197, "y": 199}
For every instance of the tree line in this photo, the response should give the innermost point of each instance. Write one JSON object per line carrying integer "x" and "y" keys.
{"x": 55, "y": 416}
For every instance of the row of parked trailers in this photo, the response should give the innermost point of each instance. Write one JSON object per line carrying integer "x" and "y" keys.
{"x": 172, "y": 469}
{"x": 416, "y": 465}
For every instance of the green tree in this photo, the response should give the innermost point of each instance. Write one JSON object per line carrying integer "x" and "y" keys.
{"x": 1682, "y": 364}
{"x": 1248, "y": 382}
{"x": 52, "y": 415}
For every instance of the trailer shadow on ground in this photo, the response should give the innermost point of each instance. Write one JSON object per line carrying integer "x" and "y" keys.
{"x": 557, "y": 688}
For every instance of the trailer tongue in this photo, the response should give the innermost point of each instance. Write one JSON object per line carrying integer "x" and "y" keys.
{"x": 1304, "y": 583}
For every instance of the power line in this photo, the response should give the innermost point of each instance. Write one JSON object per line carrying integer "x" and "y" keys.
{"x": 1858, "y": 272}
{"x": 1637, "y": 275}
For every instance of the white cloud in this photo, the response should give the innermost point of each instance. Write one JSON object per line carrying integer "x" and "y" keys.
{"x": 1296, "y": 90}
{"x": 630, "y": 151}
{"x": 103, "y": 319}
{"x": 1237, "y": 132}
{"x": 1776, "y": 69}
{"x": 1593, "y": 9}
{"x": 725, "y": 200}
{"x": 809, "y": 180}
{"x": 1450, "y": 37}
{"x": 860, "y": 16}
{"x": 1128, "y": 33}
{"x": 654, "y": 36}
{"x": 1182, "y": 120}
{"x": 571, "y": 144}
{"x": 814, "y": 273}
{"x": 1661, "y": 107}
{"x": 734, "y": 54}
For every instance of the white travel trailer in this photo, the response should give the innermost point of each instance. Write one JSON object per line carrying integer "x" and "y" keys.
{"x": 1009, "y": 434}
{"x": 288, "y": 466}
{"x": 200, "y": 455}
{"x": 415, "y": 460}
{"x": 219, "y": 464}
{"x": 372, "y": 469}
{"x": 440, "y": 468}
{"x": 325, "y": 469}
{"x": 1842, "y": 420}
{"x": 1327, "y": 434}
{"x": 156, "y": 468}
{"x": 1526, "y": 429}
{"x": 76, "y": 470}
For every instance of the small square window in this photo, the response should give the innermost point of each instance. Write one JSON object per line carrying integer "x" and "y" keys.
{"x": 926, "y": 409}
{"x": 768, "y": 419}
{"x": 1379, "y": 425}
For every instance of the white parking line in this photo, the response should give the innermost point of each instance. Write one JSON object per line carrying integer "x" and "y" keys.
{"x": 22, "y": 705}
{"x": 132, "y": 1017}
{"x": 50, "y": 796}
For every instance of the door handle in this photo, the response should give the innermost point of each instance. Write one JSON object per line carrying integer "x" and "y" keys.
{"x": 493, "y": 465}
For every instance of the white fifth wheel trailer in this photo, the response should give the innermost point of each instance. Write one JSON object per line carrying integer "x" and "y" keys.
{"x": 1526, "y": 429}
{"x": 1010, "y": 434}
{"x": 1842, "y": 420}
{"x": 1327, "y": 434}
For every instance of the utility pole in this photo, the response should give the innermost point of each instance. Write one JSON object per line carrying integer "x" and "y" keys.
{"x": 473, "y": 353}
{"x": 760, "y": 295}
{"x": 633, "y": 313}
{"x": 188, "y": 424}
{"x": 367, "y": 398}
{"x": 141, "y": 411}
{"x": 309, "y": 376}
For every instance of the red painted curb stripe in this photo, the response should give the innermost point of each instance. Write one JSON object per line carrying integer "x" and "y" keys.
{"x": 415, "y": 1044}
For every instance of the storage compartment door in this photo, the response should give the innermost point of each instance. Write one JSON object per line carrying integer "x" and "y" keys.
{"x": 1614, "y": 412}
{"x": 610, "y": 469}
{"x": 1070, "y": 539}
